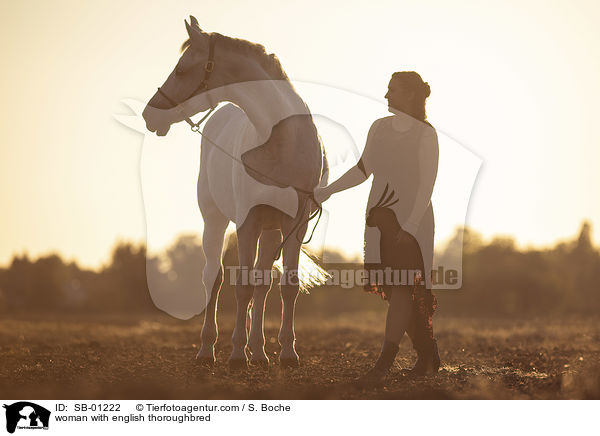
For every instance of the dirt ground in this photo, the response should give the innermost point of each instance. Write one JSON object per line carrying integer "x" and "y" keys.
{"x": 152, "y": 357}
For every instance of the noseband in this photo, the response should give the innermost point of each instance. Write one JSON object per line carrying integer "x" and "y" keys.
{"x": 209, "y": 66}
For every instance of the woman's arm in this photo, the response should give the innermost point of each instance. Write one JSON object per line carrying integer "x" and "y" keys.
{"x": 354, "y": 176}
{"x": 428, "y": 166}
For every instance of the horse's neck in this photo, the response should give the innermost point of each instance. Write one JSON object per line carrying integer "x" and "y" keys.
{"x": 266, "y": 103}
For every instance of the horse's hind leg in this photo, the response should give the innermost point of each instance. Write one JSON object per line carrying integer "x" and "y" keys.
{"x": 215, "y": 225}
{"x": 289, "y": 293}
{"x": 268, "y": 244}
{"x": 247, "y": 235}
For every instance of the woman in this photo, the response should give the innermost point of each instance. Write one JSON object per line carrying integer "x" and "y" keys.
{"x": 402, "y": 154}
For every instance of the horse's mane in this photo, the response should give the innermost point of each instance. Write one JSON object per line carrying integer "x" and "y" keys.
{"x": 269, "y": 62}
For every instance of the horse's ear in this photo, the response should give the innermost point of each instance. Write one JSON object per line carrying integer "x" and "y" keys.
{"x": 188, "y": 28}
{"x": 194, "y": 33}
{"x": 194, "y": 22}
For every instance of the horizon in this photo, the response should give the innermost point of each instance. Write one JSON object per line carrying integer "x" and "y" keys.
{"x": 440, "y": 248}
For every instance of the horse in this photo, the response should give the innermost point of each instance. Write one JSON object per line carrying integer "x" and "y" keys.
{"x": 261, "y": 158}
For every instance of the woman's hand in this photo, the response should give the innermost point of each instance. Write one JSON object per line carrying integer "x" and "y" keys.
{"x": 321, "y": 194}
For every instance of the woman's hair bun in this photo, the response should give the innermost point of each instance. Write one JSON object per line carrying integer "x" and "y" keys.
{"x": 426, "y": 89}
{"x": 414, "y": 81}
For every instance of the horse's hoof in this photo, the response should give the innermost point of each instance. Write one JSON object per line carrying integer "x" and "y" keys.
{"x": 262, "y": 363}
{"x": 289, "y": 363}
{"x": 206, "y": 361}
{"x": 237, "y": 364}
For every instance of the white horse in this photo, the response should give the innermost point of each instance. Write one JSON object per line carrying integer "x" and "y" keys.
{"x": 260, "y": 157}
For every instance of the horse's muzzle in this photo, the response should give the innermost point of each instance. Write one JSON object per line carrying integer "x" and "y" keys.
{"x": 153, "y": 121}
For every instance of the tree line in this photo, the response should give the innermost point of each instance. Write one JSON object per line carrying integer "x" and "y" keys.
{"x": 499, "y": 279}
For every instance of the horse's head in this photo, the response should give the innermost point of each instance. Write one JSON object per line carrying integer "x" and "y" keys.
{"x": 381, "y": 215}
{"x": 203, "y": 66}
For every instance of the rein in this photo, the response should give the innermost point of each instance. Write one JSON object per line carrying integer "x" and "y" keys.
{"x": 195, "y": 127}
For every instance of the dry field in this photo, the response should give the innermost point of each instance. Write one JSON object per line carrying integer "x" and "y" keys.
{"x": 101, "y": 357}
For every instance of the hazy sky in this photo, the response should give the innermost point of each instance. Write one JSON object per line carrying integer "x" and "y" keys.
{"x": 514, "y": 82}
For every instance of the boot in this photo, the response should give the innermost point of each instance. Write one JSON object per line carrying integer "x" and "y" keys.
{"x": 428, "y": 361}
{"x": 376, "y": 375}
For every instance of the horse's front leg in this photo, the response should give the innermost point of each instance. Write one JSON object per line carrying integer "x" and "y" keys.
{"x": 248, "y": 235}
{"x": 289, "y": 293}
{"x": 215, "y": 225}
{"x": 268, "y": 244}
{"x": 210, "y": 332}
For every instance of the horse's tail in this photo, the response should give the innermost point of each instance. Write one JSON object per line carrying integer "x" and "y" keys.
{"x": 310, "y": 272}
{"x": 324, "y": 166}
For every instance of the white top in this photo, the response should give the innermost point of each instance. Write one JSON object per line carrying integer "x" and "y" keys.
{"x": 393, "y": 143}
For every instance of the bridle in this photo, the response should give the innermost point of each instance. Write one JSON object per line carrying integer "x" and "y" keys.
{"x": 209, "y": 66}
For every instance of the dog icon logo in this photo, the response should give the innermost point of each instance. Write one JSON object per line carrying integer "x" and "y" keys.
{"x": 26, "y": 415}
